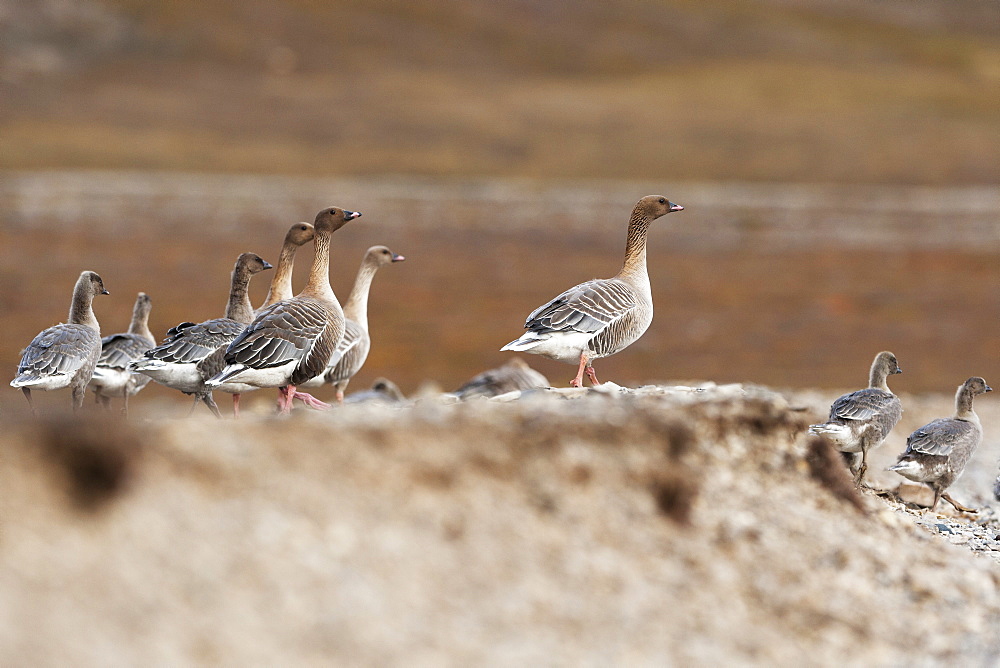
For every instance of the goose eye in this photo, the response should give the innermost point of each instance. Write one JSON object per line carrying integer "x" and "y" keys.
{"x": 663, "y": 201}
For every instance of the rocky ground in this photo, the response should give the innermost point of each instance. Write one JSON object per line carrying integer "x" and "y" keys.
{"x": 669, "y": 525}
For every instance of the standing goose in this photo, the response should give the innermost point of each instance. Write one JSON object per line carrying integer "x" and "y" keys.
{"x": 603, "y": 316}
{"x": 65, "y": 355}
{"x": 292, "y": 340}
{"x": 352, "y": 351}
{"x": 112, "y": 377}
{"x": 298, "y": 234}
{"x": 174, "y": 362}
{"x": 936, "y": 454}
{"x": 860, "y": 421}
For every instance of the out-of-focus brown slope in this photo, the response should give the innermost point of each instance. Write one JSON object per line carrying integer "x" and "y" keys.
{"x": 796, "y": 91}
{"x": 687, "y": 528}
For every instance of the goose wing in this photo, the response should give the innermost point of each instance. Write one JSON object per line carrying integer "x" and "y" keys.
{"x": 117, "y": 350}
{"x": 588, "y": 308}
{"x": 189, "y": 342}
{"x": 287, "y": 331}
{"x": 864, "y": 404}
{"x": 350, "y": 342}
{"x": 940, "y": 436}
{"x": 59, "y": 350}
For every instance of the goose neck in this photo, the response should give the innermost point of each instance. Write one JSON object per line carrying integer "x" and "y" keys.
{"x": 81, "y": 310}
{"x": 963, "y": 405}
{"x": 356, "y": 306}
{"x": 318, "y": 285}
{"x": 281, "y": 282}
{"x": 634, "y": 266}
{"x": 140, "y": 322}
{"x": 238, "y": 307}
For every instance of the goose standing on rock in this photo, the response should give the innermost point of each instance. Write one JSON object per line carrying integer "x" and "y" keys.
{"x": 603, "y": 316}
{"x": 936, "y": 454}
{"x": 112, "y": 377}
{"x": 352, "y": 351}
{"x": 281, "y": 288}
{"x": 860, "y": 421}
{"x": 174, "y": 362}
{"x": 291, "y": 341}
{"x": 65, "y": 355}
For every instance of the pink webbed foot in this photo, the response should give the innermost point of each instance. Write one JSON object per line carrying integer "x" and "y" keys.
{"x": 311, "y": 401}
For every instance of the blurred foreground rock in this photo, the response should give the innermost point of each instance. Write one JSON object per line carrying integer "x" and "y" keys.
{"x": 667, "y": 526}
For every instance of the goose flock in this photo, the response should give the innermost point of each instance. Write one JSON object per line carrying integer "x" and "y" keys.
{"x": 307, "y": 340}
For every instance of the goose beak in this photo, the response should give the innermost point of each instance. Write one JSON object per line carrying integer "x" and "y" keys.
{"x": 267, "y": 265}
{"x": 105, "y": 292}
{"x": 675, "y": 207}
{"x": 396, "y": 257}
{"x": 898, "y": 370}
{"x": 351, "y": 215}
{"x": 989, "y": 389}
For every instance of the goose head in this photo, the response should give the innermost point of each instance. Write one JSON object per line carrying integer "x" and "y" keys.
{"x": 92, "y": 283}
{"x": 300, "y": 234}
{"x": 886, "y": 363}
{"x": 251, "y": 263}
{"x": 333, "y": 218}
{"x": 380, "y": 255}
{"x": 654, "y": 206}
{"x": 975, "y": 386}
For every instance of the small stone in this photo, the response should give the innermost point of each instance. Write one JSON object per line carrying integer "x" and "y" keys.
{"x": 959, "y": 539}
{"x": 943, "y": 528}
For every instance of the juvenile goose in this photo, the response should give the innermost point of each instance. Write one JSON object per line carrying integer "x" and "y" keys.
{"x": 352, "y": 351}
{"x": 860, "y": 421}
{"x": 65, "y": 355}
{"x": 298, "y": 234}
{"x": 174, "y": 362}
{"x": 603, "y": 316}
{"x": 112, "y": 377}
{"x": 292, "y": 340}
{"x": 936, "y": 454}
{"x": 514, "y": 375}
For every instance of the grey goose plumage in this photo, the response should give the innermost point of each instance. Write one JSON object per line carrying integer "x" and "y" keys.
{"x": 174, "y": 362}
{"x": 937, "y": 453}
{"x": 382, "y": 391}
{"x": 512, "y": 376}
{"x": 354, "y": 346}
{"x": 601, "y": 317}
{"x": 65, "y": 355}
{"x": 860, "y": 421}
{"x": 111, "y": 376}
{"x": 292, "y": 340}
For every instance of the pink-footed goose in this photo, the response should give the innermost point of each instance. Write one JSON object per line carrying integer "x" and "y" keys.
{"x": 936, "y": 454}
{"x": 352, "y": 351}
{"x": 860, "y": 421}
{"x": 112, "y": 377}
{"x": 174, "y": 362}
{"x": 292, "y": 340}
{"x": 603, "y": 316}
{"x": 65, "y": 355}
{"x": 298, "y": 235}
{"x": 514, "y": 375}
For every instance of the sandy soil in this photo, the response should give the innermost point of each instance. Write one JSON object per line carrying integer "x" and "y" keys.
{"x": 665, "y": 526}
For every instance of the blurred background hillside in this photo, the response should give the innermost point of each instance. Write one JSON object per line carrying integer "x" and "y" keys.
{"x": 838, "y": 162}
